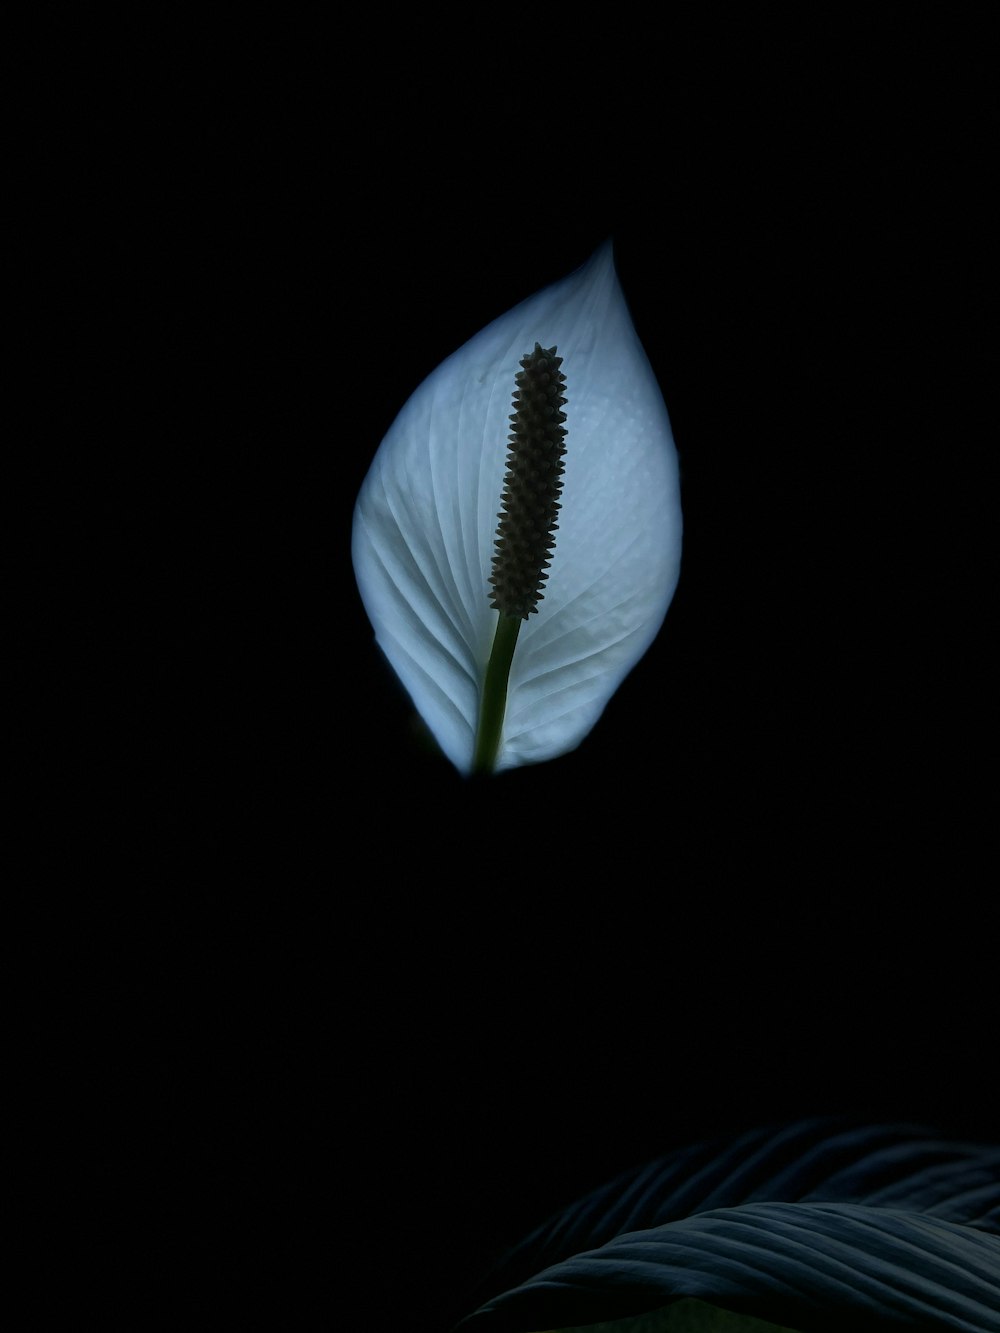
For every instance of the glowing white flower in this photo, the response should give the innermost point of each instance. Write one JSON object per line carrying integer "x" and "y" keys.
{"x": 425, "y": 526}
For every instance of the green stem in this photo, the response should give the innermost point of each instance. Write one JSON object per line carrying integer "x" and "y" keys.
{"x": 494, "y": 701}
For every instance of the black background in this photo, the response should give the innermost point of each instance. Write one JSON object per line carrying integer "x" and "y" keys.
{"x": 350, "y": 1023}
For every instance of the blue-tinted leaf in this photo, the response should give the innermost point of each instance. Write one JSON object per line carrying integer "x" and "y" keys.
{"x": 903, "y": 1166}
{"x": 907, "y": 1172}
{"x": 817, "y": 1267}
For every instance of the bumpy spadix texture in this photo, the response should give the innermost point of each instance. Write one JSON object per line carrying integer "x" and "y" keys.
{"x": 526, "y": 534}
{"x": 425, "y": 522}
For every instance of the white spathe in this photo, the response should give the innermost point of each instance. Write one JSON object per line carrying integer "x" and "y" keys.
{"x": 426, "y": 519}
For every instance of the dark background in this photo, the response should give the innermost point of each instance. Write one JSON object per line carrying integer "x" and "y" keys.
{"x": 349, "y": 1022}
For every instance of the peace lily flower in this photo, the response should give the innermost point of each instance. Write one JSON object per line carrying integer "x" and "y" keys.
{"x": 551, "y": 419}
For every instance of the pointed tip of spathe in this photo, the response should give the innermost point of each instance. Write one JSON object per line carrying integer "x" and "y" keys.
{"x": 601, "y": 257}
{"x": 599, "y": 261}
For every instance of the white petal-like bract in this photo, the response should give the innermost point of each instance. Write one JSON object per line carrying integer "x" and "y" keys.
{"x": 426, "y": 518}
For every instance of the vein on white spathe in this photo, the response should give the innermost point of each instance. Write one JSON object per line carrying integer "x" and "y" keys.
{"x": 426, "y": 517}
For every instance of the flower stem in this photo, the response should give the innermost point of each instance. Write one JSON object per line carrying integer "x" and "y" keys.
{"x": 494, "y": 701}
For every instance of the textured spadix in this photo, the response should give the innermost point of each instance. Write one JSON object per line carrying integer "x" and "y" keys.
{"x": 426, "y": 518}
